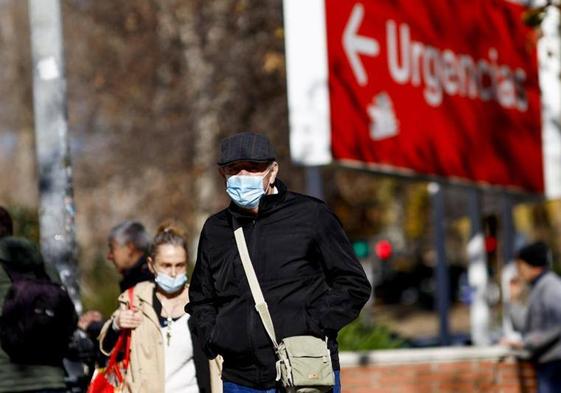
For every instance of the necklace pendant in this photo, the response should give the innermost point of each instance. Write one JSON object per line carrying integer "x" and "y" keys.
{"x": 168, "y": 333}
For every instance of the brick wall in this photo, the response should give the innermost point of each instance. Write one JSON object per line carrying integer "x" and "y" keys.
{"x": 442, "y": 370}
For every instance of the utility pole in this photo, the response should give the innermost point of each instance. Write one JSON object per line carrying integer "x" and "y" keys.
{"x": 56, "y": 205}
{"x": 314, "y": 182}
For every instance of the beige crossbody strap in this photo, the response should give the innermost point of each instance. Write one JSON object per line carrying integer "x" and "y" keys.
{"x": 260, "y": 303}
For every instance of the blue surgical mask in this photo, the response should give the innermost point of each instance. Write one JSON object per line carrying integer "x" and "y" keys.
{"x": 170, "y": 284}
{"x": 245, "y": 191}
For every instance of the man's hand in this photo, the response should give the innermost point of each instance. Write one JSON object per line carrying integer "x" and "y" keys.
{"x": 88, "y": 317}
{"x": 511, "y": 343}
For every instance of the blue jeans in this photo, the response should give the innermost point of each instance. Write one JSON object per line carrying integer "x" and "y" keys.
{"x": 230, "y": 387}
{"x": 549, "y": 377}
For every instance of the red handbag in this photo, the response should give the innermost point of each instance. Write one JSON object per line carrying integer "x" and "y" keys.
{"x": 111, "y": 378}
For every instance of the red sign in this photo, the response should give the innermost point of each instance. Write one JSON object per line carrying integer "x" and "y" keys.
{"x": 435, "y": 87}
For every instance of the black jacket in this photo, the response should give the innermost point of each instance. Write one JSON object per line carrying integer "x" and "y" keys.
{"x": 137, "y": 273}
{"x": 305, "y": 265}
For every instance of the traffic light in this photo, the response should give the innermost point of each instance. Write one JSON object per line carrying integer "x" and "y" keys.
{"x": 383, "y": 250}
{"x": 361, "y": 249}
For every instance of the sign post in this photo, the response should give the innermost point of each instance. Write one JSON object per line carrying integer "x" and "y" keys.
{"x": 549, "y": 51}
{"x": 442, "y": 277}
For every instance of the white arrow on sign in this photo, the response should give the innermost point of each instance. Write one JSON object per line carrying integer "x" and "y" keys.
{"x": 355, "y": 45}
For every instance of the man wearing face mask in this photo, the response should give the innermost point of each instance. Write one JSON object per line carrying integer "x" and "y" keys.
{"x": 304, "y": 263}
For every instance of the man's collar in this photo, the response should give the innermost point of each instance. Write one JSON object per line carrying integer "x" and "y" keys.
{"x": 138, "y": 265}
{"x": 535, "y": 281}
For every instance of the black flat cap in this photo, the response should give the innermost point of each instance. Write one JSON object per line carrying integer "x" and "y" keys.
{"x": 246, "y": 146}
{"x": 535, "y": 254}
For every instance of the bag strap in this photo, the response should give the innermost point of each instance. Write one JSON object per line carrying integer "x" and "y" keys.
{"x": 260, "y": 303}
{"x": 124, "y": 340}
{"x": 126, "y": 359}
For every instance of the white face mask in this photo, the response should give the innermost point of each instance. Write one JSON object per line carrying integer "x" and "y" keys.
{"x": 246, "y": 191}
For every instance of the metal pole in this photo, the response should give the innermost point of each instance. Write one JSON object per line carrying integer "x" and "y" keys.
{"x": 442, "y": 278}
{"x": 314, "y": 183}
{"x": 508, "y": 233}
{"x": 56, "y": 205}
{"x": 507, "y": 229}
{"x": 477, "y": 273}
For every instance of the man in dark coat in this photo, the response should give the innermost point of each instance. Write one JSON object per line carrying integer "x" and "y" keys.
{"x": 128, "y": 244}
{"x": 128, "y": 247}
{"x": 303, "y": 260}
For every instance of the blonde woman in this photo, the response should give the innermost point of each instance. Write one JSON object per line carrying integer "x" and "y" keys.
{"x": 164, "y": 357}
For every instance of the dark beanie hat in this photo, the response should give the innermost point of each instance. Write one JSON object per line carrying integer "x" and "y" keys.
{"x": 246, "y": 146}
{"x": 535, "y": 254}
{"x": 20, "y": 255}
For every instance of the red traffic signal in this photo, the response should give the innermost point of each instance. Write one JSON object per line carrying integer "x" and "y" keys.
{"x": 383, "y": 250}
{"x": 490, "y": 244}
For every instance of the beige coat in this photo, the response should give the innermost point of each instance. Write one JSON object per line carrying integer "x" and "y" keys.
{"x": 146, "y": 372}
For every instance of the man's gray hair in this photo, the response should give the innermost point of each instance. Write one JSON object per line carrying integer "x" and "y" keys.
{"x": 130, "y": 232}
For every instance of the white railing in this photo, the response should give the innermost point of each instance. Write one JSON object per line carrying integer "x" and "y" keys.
{"x": 424, "y": 355}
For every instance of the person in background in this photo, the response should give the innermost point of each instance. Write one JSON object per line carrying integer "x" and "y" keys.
{"x": 128, "y": 244}
{"x": 6, "y": 223}
{"x": 14, "y": 377}
{"x": 128, "y": 247}
{"x": 164, "y": 355}
{"x": 304, "y": 262}
{"x": 541, "y": 327}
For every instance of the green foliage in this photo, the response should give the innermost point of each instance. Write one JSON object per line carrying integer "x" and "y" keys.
{"x": 417, "y": 210}
{"x": 533, "y": 17}
{"x": 99, "y": 287}
{"x": 26, "y": 222}
{"x": 358, "y": 336}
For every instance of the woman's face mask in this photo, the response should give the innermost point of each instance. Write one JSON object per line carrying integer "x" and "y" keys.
{"x": 170, "y": 284}
{"x": 245, "y": 190}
